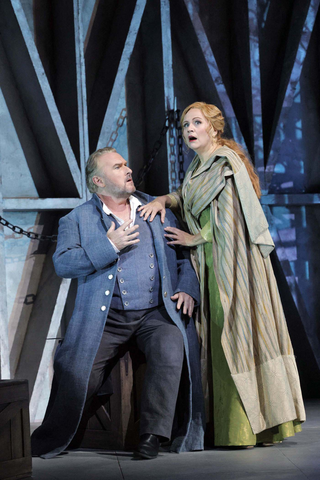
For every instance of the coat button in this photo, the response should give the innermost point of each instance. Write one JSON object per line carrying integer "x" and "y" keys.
{"x": 126, "y": 303}
{"x": 152, "y": 278}
{"x": 164, "y": 277}
{"x": 107, "y": 292}
{"x": 151, "y": 265}
{"x": 121, "y": 280}
{"x": 165, "y": 294}
{"x": 151, "y": 301}
{"x": 151, "y": 289}
{"x": 110, "y": 276}
{"x": 151, "y": 255}
{"x": 124, "y": 292}
{"x": 103, "y": 308}
{"x": 119, "y": 269}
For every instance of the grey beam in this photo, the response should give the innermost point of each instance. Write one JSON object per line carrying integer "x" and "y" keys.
{"x": 38, "y": 100}
{"x": 293, "y": 285}
{"x": 291, "y": 87}
{"x": 48, "y": 351}
{"x": 168, "y": 91}
{"x": 256, "y": 90}
{"x": 214, "y": 71}
{"x": 38, "y": 204}
{"x": 82, "y": 95}
{"x": 121, "y": 74}
{"x": 291, "y": 199}
{"x": 4, "y": 339}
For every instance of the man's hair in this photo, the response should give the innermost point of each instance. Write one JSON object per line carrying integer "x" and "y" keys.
{"x": 92, "y": 167}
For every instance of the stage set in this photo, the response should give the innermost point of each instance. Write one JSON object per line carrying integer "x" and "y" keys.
{"x": 78, "y": 75}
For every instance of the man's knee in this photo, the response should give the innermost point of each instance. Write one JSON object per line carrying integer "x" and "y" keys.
{"x": 168, "y": 345}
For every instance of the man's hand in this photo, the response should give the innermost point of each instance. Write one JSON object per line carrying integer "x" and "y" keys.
{"x": 185, "y": 300}
{"x": 121, "y": 237}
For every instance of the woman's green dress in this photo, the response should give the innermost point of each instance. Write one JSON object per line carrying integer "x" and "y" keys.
{"x": 231, "y": 425}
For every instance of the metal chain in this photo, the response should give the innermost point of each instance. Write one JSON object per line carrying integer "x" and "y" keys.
{"x": 145, "y": 169}
{"x": 172, "y": 148}
{"x": 181, "y": 172}
{"x": 120, "y": 122}
{"x": 31, "y": 235}
{"x": 172, "y": 117}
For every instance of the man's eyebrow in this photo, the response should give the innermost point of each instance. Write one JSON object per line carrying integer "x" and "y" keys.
{"x": 119, "y": 164}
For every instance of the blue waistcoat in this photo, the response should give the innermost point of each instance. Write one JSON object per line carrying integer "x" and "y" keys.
{"x": 137, "y": 284}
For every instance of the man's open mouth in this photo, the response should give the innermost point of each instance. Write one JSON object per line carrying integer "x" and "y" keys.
{"x": 192, "y": 138}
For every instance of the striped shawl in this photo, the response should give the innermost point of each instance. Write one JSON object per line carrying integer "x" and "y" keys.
{"x": 255, "y": 338}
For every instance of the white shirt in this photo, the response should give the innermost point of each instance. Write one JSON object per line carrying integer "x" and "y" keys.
{"x": 134, "y": 204}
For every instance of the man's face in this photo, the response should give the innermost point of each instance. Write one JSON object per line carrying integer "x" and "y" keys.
{"x": 113, "y": 176}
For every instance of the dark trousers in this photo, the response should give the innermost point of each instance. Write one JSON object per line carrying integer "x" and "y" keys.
{"x": 162, "y": 344}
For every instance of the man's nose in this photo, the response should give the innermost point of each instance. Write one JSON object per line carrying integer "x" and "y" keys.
{"x": 129, "y": 170}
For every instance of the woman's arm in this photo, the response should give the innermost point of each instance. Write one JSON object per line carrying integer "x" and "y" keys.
{"x": 179, "y": 237}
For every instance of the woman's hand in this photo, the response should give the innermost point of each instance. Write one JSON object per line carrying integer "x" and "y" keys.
{"x": 158, "y": 205}
{"x": 179, "y": 237}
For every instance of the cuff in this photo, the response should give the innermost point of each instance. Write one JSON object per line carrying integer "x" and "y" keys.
{"x": 174, "y": 201}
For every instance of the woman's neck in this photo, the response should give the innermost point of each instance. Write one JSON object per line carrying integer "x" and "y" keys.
{"x": 205, "y": 155}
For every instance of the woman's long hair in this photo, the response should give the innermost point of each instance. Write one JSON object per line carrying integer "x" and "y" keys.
{"x": 216, "y": 121}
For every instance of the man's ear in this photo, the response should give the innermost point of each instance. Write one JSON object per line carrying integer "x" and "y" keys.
{"x": 98, "y": 181}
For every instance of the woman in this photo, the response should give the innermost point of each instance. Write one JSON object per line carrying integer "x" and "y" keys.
{"x": 256, "y": 388}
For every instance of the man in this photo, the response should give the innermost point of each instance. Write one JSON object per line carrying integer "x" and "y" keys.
{"x": 130, "y": 284}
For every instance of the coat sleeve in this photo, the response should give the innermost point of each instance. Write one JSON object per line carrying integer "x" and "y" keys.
{"x": 187, "y": 278}
{"x": 75, "y": 256}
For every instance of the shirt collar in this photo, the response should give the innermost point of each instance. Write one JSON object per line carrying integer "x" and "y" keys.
{"x": 134, "y": 204}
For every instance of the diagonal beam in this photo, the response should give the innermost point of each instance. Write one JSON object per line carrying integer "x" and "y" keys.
{"x": 291, "y": 87}
{"x": 256, "y": 90}
{"x": 214, "y": 71}
{"x": 82, "y": 95}
{"x": 38, "y": 100}
{"x": 121, "y": 74}
{"x": 4, "y": 340}
{"x": 49, "y": 347}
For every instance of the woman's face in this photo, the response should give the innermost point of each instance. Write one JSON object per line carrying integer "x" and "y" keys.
{"x": 195, "y": 131}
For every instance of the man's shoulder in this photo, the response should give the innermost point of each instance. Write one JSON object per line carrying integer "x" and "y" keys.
{"x": 90, "y": 207}
{"x": 143, "y": 197}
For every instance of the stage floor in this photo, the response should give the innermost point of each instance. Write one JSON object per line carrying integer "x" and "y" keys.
{"x": 297, "y": 458}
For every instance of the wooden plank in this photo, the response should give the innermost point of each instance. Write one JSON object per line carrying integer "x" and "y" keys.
{"x": 11, "y": 411}
{"x": 214, "y": 71}
{"x": 4, "y": 338}
{"x": 17, "y": 389}
{"x": 16, "y": 469}
{"x": 121, "y": 74}
{"x": 49, "y": 347}
{"x": 256, "y": 90}
{"x": 291, "y": 88}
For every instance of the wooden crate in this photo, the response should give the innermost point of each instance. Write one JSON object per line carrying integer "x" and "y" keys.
{"x": 113, "y": 422}
{"x": 15, "y": 447}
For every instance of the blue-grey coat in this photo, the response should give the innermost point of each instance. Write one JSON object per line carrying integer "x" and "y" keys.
{"x": 83, "y": 252}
